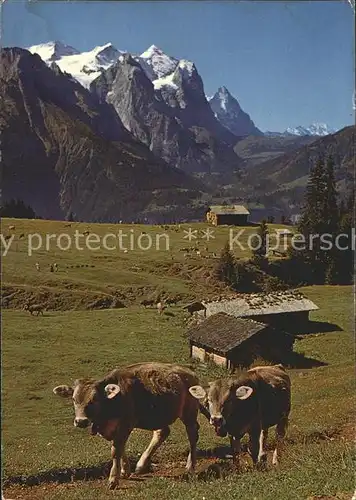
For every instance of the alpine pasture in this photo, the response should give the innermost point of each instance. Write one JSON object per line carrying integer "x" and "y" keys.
{"x": 45, "y": 457}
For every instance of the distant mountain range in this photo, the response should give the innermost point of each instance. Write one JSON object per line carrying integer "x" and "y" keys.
{"x": 108, "y": 135}
{"x": 313, "y": 130}
{"x": 282, "y": 180}
{"x": 160, "y": 69}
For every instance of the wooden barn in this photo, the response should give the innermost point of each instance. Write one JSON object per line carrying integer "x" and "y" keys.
{"x": 231, "y": 215}
{"x": 231, "y": 342}
{"x": 288, "y": 309}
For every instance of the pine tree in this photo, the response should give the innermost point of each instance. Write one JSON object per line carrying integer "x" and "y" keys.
{"x": 313, "y": 212}
{"x": 330, "y": 212}
{"x": 346, "y": 257}
{"x": 331, "y": 222}
{"x": 17, "y": 209}
{"x": 226, "y": 270}
{"x": 313, "y": 220}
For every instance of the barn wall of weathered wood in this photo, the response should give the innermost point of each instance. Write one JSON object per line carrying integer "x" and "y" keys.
{"x": 198, "y": 353}
{"x": 206, "y": 355}
{"x": 271, "y": 345}
{"x": 216, "y": 358}
{"x": 232, "y": 219}
{"x": 288, "y": 321}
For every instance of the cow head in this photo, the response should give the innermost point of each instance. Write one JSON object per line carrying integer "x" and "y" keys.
{"x": 222, "y": 398}
{"x": 91, "y": 401}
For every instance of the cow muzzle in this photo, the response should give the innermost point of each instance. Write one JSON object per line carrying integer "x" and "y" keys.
{"x": 82, "y": 423}
{"x": 219, "y": 425}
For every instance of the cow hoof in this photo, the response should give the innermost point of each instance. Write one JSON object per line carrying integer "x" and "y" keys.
{"x": 261, "y": 466}
{"x": 142, "y": 469}
{"x": 125, "y": 474}
{"x": 113, "y": 484}
{"x": 262, "y": 462}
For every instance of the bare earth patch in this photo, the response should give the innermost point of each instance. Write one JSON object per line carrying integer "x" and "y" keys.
{"x": 208, "y": 469}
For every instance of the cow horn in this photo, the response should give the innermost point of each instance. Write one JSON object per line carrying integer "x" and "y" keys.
{"x": 244, "y": 392}
{"x": 112, "y": 390}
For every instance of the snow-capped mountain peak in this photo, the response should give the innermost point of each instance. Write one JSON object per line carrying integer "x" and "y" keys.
{"x": 317, "y": 129}
{"x": 223, "y": 91}
{"x": 83, "y": 66}
{"x": 106, "y": 53}
{"x": 185, "y": 69}
{"x": 224, "y": 97}
{"x": 228, "y": 111}
{"x": 156, "y": 63}
{"x": 151, "y": 51}
{"x": 52, "y": 51}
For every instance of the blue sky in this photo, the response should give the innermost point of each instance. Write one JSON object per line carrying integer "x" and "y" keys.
{"x": 288, "y": 63}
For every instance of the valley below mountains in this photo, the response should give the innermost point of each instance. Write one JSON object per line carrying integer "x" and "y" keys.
{"x": 106, "y": 135}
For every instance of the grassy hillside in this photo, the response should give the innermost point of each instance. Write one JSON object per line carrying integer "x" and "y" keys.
{"x": 88, "y": 278}
{"x": 255, "y": 150}
{"x": 41, "y": 352}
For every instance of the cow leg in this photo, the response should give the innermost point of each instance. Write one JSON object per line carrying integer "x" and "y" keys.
{"x": 281, "y": 431}
{"x": 192, "y": 429}
{"x": 262, "y": 455}
{"x": 235, "y": 447}
{"x": 117, "y": 452}
{"x": 157, "y": 439}
{"x": 125, "y": 466}
{"x": 254, "y": 445}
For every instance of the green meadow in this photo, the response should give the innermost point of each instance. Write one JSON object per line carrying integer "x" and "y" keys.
{"x": 72, "y": 340}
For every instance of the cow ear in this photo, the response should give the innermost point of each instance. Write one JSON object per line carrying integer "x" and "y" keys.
{"x": 64, "y": 391}
{"x": 112, "y": 390}
{"x": 197, "y": 392}
{"x": 244, "y": 392}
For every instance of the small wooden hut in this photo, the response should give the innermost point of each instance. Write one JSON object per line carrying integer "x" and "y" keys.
{"x": 230, "y": 342}
{"x": 231, "y": 215}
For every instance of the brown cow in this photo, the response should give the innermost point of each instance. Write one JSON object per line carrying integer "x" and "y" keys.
{"x": 145, "y": 396}
{"x": 249, "y": 403}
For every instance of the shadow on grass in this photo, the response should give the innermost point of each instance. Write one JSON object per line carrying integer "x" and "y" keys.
{"x": 298, "y": 360}
{"x": 313, "y": 327}
{"x": 61, "y": 475}
{"x": 68, "y": 475}
{"x": 223, "y": 451}
{"x": 101, "y": 471}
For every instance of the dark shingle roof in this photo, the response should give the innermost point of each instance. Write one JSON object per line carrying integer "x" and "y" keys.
{"x": 223, "y": 332}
